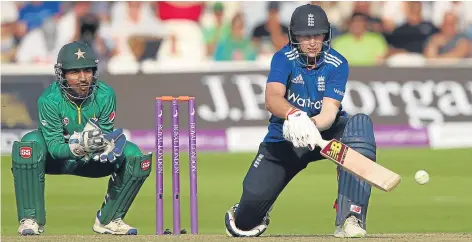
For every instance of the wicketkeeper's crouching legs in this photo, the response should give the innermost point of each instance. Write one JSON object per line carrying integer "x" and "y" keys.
{"x": 354, "y": 193}
{"x": 132, "y": 169}
{"x": 31, "y": 161}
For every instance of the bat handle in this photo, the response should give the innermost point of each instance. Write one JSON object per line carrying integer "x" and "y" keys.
{"x": 322, "y": 143}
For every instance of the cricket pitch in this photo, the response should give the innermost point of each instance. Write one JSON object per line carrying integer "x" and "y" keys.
{"x": 430, "y": 237}
{"x": 304, "y": 211}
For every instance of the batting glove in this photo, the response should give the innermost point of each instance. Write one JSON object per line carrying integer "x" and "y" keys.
{"x": 300, "y": 130}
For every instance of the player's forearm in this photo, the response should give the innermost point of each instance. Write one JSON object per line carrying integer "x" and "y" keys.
{"x": 106, "y": 127}
{"x": 278, "y": 106}
{"x": 60, "y": 151}
{"x": 325, "y": 119}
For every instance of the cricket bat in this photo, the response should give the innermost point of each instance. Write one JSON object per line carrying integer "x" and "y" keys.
{"x": 359, "y": 165}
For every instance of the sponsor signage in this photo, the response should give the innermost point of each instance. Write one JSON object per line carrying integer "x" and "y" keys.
{"x": 8, "y": 137}
{"x": 207, "y": 140}
{"x": 400, "y": 136}
{"x": 247, "y": 139}
{"x": 391, "y": 96}
{"x": 19, "y": 100}
{"x": 450, "y": 135}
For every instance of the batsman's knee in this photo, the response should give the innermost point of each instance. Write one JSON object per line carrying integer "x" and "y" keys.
{"x": 233, "y": 231}
{"x": 359, "y": 135}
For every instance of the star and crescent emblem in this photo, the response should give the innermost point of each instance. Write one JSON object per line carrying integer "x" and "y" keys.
{"x": 79, "y": 54}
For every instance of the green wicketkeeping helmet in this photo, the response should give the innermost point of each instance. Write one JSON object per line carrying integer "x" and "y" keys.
{"x": 76, "y": 55}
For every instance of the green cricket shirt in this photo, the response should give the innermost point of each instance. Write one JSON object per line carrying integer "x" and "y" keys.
{"x": 59, "y": 117}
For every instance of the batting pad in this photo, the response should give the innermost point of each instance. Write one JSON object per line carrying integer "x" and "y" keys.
{"x": 28, "y": 167}
{"x": 353, "y": 192}
{"x": 123, "y": 187}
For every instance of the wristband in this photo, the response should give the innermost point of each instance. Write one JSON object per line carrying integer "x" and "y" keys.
{"x": 292, "y": 110}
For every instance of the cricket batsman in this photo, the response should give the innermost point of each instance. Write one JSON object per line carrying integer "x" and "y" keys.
{"x": 304, "y": 90}
{"x": 76, "y": 136}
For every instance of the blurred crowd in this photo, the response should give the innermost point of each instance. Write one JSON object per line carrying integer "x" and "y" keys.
{"x": 366, "y": 33}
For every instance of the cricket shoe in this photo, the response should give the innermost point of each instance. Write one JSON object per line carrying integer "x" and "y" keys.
{"x": 116, "y": 226}
{"x": 350, "y": 229}
{"x": 233, "y": 231}
{"x": 30, "y": 227}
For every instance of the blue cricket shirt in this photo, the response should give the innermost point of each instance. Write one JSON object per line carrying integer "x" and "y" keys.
{"x": 306, "y": 88}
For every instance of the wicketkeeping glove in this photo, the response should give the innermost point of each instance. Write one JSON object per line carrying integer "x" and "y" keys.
{"x": 88, "y": 141}
{"x": 115, "y": 144}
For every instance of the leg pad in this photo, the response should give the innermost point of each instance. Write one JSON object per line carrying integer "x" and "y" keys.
{"x": 28, "y": 168}
{"x": 123, "y": 187}
{"x": 354, "y": 193}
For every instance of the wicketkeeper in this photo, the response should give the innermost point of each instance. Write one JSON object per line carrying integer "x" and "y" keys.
{"x": 304, "y": 90}
{"x": 76, "y": 136}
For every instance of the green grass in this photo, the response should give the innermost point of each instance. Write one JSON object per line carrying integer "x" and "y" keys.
{"x": 305, "y": 207}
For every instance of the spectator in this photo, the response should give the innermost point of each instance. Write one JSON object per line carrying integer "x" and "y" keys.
{"x": 460, "y": 8}
{"x": 136, "y": 30}
{"x": 448, "y": 43}
{"x": 411, "y": 36}
{"x": 220, "y": 29}
{"x": 373, "y": 24}
{"x": 102, "y": 11}
{"x": 69, "y": 23}
{"x": 9, "y": 18}
{"x": 255, "y": 12}
{"x": 88, "y": 33}
{"x": 235, "y": 47}
{"x": 395, "y": 13}
{"x": 359, "y": 46}
{"x": 270, "y": 36}
{"x": 179, "y": 10}
{"x": 40, "y": 45}
{"x": 185, "y": 41}
{"x": 468, "y": 32}
{"x": 338, "y": 13}
{"x": 34, "y": 13}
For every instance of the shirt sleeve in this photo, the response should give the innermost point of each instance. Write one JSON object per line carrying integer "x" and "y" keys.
{"x": 336, "y": 84}
{"x": 106, "y": 121}
{"x": 51, "y": 128}
{"x": 279, "y": 69}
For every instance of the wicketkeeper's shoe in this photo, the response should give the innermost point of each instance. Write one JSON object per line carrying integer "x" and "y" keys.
{"x": 350, "y": 229}
{"x": 116, "y": 226}
{"x": 30, "y": 227}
